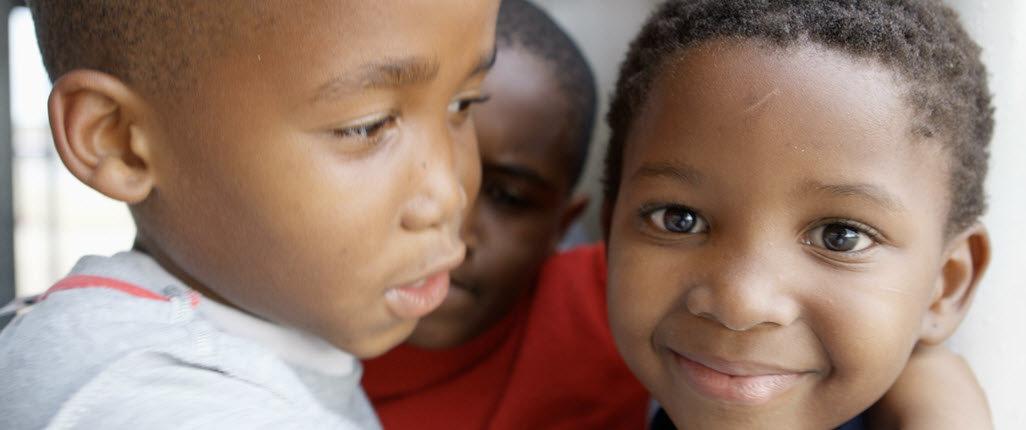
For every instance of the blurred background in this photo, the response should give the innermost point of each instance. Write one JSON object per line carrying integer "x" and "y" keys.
{"x": 48, "y": 219}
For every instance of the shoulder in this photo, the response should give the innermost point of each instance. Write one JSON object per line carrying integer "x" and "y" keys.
{"x": 593, "y": 255}
{"x": 95, "y": 358}
{"x": 154, "y": 389}
{"x": 64, "y": 341}
{"x": 581, "y": 267}
{"x": 77, "y": 321}
{"x": 570, "y": 298}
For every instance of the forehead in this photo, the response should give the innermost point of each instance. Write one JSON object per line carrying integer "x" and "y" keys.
{"x": 746, "y": 110}
{"x": 290, "y": 46}
{"x": 826, "y": 92}
{"x": 526, "y": 119}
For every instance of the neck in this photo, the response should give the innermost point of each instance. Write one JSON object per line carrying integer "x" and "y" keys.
{"x": 144, "y": 245}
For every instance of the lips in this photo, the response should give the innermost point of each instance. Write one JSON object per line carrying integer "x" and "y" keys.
{"x": 743, "y": 383}
{"x": 418, "y": 298}
{"x": 415, "y": 300}
{"x": 459, "y": 298}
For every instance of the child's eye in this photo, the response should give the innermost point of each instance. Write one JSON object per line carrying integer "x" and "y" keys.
{"x": 503, "y": 197}
{"x": 677, "y": 219}
{"x": 840, "y": 237}
{"x": 461, "y": 107}
{"x": 369, "y": 131}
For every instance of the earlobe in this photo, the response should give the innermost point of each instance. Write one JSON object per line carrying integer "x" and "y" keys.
{"x": 966, "y": 259}
{"x": 93, "y": 117}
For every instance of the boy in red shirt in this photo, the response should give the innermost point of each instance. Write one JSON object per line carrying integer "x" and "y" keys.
{"x": 493, "y": 355}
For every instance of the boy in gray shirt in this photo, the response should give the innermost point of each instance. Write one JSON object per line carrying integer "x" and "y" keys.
{"x": 297, "y": 173}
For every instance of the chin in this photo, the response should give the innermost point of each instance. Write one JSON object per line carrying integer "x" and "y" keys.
{"x": 377, "y": 344}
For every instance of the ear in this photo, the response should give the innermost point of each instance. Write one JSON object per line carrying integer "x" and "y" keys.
{"x": 573, "y": 212}
{"x": 966, "y": 258}
{"x": 95, "y": 122}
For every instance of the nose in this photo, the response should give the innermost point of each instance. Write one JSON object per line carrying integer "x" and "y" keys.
{"x": 744, "y": 292}
{"x": 446, "y": 170}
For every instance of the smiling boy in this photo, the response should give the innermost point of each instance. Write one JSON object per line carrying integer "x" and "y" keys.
{"x": 297, "y": 173}
{"x": 792, "y": 205}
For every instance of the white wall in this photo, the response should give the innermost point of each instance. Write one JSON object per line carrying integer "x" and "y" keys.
{"x": 992, "y": 337}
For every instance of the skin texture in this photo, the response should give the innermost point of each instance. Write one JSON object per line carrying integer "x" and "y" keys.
{"x": 525, "y": 203}
{"x": 320, "y": 163}
{"x": 769, "y": 150}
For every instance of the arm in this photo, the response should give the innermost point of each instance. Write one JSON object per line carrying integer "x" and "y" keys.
{"x": 937, "y": 390}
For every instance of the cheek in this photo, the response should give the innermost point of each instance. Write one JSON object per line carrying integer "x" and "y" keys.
{"x": 301, "y": 203}
{"x": 640, "y": 294}
{"x": 325, "y": 203}
{"x": 868, "y": 325}
{"x": 512, "y": 248}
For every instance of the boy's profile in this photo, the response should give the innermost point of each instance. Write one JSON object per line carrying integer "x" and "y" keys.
{"x": 297, "y": 173}
{"x": 793, "y": 197}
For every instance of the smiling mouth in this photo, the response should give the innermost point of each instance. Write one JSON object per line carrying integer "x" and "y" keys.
{"x": 736, "y": 383}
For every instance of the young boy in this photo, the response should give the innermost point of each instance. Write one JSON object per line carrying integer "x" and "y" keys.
{"x": 524, "y": 344}
{"x": 792, "y": 206}
{"x": 519, "y": 343}
{"x": 297, "y": 172}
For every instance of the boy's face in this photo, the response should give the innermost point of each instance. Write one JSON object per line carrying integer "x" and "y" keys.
{"x": 517, "y": 219}
{"x": 777, "y": 237}
{"x": 320, "y": 171}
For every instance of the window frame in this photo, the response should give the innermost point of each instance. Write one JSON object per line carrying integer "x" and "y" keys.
{"x": 6, "y": 162}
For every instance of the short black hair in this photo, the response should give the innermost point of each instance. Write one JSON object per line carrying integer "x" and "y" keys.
{"x": 523, "y": 25}
{"x": 148, "y": 44}
{"x": 920, "y": 40}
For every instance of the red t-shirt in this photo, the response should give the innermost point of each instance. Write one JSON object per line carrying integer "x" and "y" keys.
{"x": 551, "y": 364}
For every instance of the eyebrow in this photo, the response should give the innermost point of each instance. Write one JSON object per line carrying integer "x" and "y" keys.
{"x": 393, "y": 73}
{"x": 679, "y": 172}
{"x": 486, "y": 62}
{"x": 869, "y": 192}
{"x": 390, "y": 73}
{"x": 518, "y": 171}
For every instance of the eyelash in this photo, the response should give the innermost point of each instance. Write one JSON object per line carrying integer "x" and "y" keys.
{"x": 370, "y": 131}
{"x": 647, "y": 213}
{"x": 871, "y": 233}
{"x": 463, "y": 105}
{"x": 501, "y": 197}
{"x": 700, "y": 225}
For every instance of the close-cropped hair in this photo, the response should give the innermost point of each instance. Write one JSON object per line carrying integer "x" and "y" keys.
{"x": 523, "y": 25}
{"x": 921, "y": 41}
{"x": 153, "y": 45}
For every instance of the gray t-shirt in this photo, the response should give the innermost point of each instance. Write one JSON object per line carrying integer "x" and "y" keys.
{"x": 121, "y": 343}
